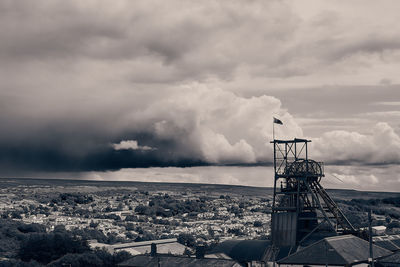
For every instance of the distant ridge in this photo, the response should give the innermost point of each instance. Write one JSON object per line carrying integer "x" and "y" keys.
{"x": 181, "y": 187}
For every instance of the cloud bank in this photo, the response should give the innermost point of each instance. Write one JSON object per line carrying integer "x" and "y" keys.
{"x": 95, "y": 85}
{"x": 382, "y": 146}
{"x": 191, "y": 125}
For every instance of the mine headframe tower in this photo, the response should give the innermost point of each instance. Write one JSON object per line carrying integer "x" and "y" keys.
{"x": 301, "y": 206}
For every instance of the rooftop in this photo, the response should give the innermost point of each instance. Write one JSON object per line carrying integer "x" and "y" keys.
{"x": 177, "y": 261}
{"x": 243, "y": 250}
{"x": 337, "y": 250}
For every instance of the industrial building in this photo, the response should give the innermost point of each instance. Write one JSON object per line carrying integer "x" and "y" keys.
{"x": 160, "y": 259}
{"x": 164, "y": 246}
{"x": 307, "y": 226}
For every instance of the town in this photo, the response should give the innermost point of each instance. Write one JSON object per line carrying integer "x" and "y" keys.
{"x": 101, "y": 218}
{"x": 110, "y": 215}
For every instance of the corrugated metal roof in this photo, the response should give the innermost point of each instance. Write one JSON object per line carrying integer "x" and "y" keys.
{"x": 396, "y": 242}
{"x": 391, "y": 259}
{"x": 338, "y": 250}
{"x": 387, "y": 244}
{"x": 391, "y": 242}
{"x": 176, "y": 261}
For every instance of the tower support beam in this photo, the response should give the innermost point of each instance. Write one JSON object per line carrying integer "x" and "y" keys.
{"x": 301, "y": 205}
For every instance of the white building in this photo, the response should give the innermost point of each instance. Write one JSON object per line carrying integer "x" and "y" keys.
{"x": 378, "y": 230}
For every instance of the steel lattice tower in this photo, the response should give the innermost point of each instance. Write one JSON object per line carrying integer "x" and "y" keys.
{"x": 301, "y": 206}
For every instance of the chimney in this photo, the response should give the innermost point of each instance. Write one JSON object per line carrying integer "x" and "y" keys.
{"x": 153, "y": 251}
{"x": 200, "y": 251}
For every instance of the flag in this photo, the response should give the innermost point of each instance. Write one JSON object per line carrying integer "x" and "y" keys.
{"x": 278, "y": 121}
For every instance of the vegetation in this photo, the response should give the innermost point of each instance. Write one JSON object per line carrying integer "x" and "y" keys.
{"x": 166, "y": 206}
{"x": 46, "y": 247}
{"x": 72, "y": 198}
{"x": 95, "y": 258}
{"x": 356, "y": 210}
{"x": 187, "y": 240}
{"x": 29, "y": 245}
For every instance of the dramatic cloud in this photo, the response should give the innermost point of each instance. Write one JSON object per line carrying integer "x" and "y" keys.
{"x": 221, "y": 126}
{"x": 276, "y": 42}
{"x": 191, "y": 125}
{"x": 95, "y": 85}
{"x": 175, "y": 40}
{"x": 377, "y": 178}
{"x": 381, "y": 147}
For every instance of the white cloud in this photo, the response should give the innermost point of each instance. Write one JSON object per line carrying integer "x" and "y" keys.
{"x": 388, "y": 103}
{"x": 382, "y": 114}
{"x": 219, "y": 125}
{"x": 130, "y": 144}
{"x": 382, "y": 146}
{"x": 373, "y": 177}
{"x": 249, "y": 176}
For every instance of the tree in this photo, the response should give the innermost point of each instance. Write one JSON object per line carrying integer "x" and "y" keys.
{"x": 186, "y": 239}
{"x": 257, "y": 224}
{"x": 19, "y": 263}
{"x": 130, "y": 227}
{"x": 32, "y": 228}
{"x": 45, "y": 248}
{"x": 79, "y": 260}
{"x": 120, "y": 207}
{"x": 131, "y": 218}
{"x": 93, "y": 224}
{"x": 141, "y": 210}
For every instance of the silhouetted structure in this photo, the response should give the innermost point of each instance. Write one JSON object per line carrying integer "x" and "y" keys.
{"x": 301, "y": 206}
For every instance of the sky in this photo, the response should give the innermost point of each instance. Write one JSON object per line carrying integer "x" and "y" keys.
{"x": 185, "y": 91}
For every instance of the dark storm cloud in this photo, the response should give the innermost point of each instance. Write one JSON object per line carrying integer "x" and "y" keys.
{"x": 78, "y": 77}
{"x": 80, "y": 152}
{"x": 187, "y": 128}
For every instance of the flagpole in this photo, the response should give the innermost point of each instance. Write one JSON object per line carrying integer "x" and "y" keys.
{"x": 273, "y": 129}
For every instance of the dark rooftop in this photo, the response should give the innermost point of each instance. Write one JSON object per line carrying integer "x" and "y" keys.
{"x": 391, "y": 259}
{"x": 338, "y": 250}
{"x": 243, "y": 250}
{"x": 176, "y": 261}
{"x": 390, "y": 242}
